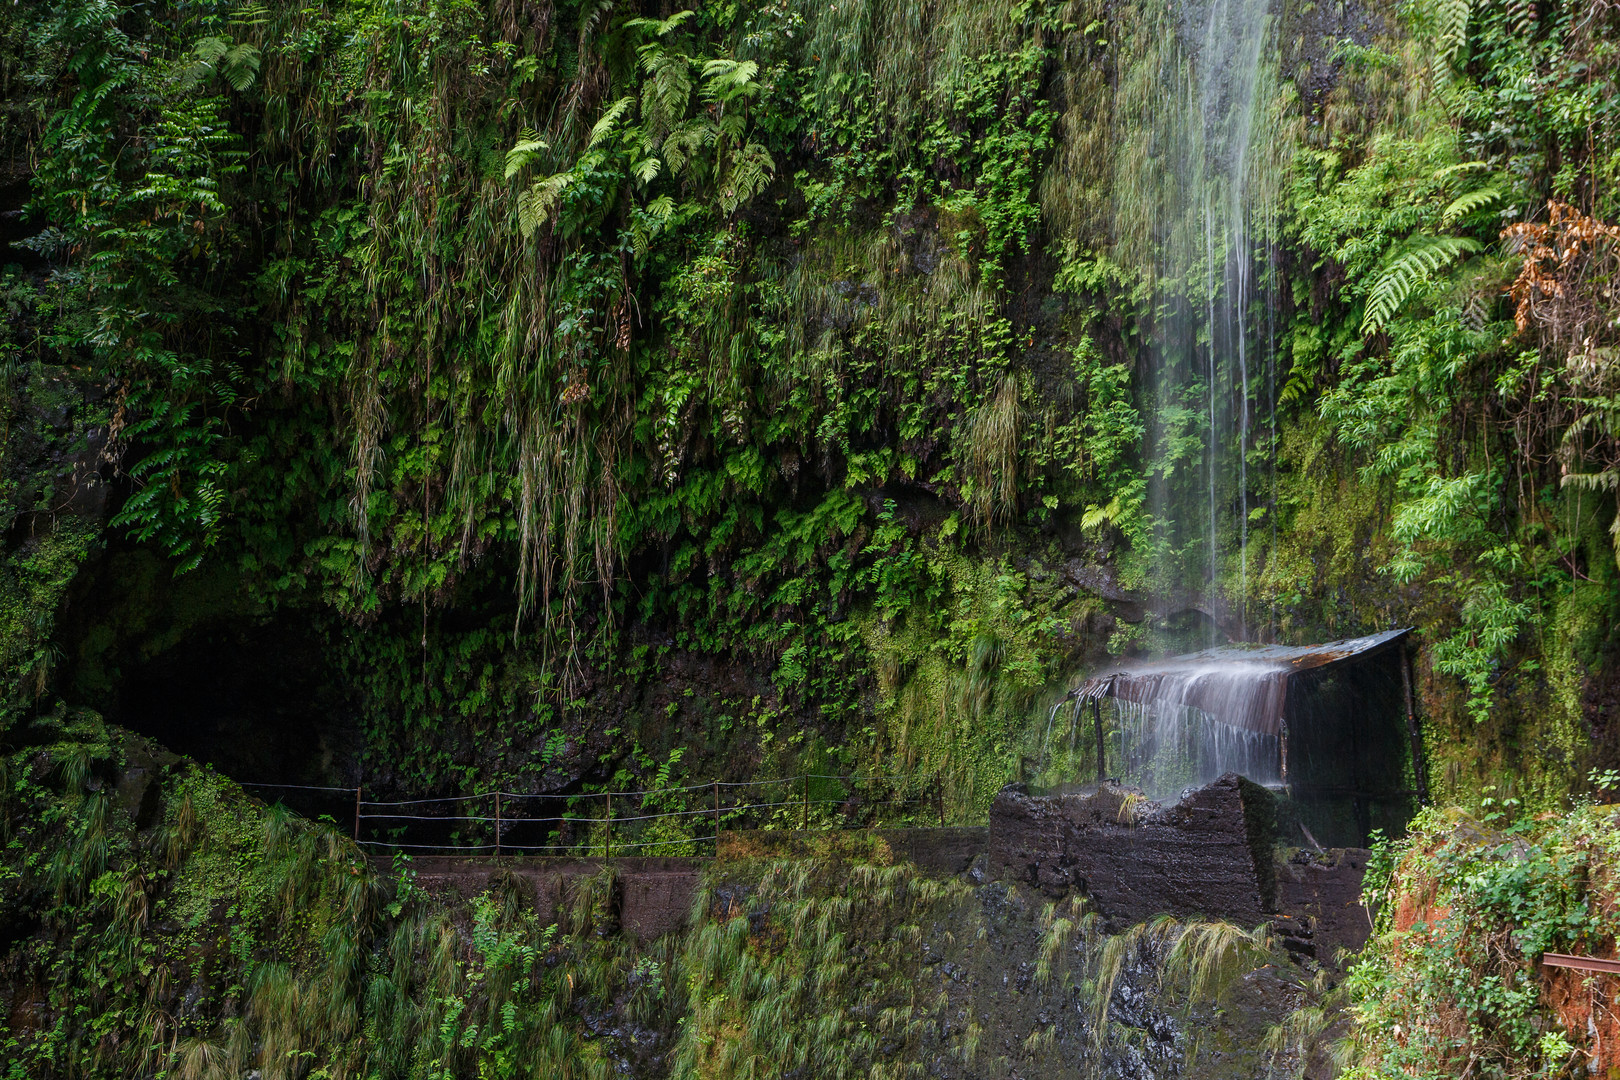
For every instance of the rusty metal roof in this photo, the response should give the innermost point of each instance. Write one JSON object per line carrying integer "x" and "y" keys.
{"x": 1242, "y": 685}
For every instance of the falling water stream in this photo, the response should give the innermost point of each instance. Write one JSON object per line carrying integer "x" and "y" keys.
{"x": 1215, "y": 322}
{"x": 1209, "y": 373}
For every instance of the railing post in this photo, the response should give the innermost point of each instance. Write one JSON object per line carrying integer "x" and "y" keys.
{"x": 357, "y": 813}
{"x": 607, "y": 842}
{"x": 717, "y": 818}
{"x": 497, "y": 824}
{"x": 806, "y": 826}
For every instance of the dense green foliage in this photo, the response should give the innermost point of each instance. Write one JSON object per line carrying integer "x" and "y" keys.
{"x": 701, "y": 330}
{"x": 1461, "y": 365}
{"x": 1451, "y": 985}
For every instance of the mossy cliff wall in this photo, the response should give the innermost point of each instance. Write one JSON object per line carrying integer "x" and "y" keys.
{"x": 574, "y": 396}
{"x": 572, "y": 393}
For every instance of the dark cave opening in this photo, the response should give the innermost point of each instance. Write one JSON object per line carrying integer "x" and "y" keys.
{"x": 260, "y": 702}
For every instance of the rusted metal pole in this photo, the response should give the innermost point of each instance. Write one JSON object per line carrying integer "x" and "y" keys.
{"x": 1581, "y": 963}
{"x": 497, "y": 824}
{"x": 1413, "y": 732}
{"x": 1096, "y": 716}
{"x": 357, "y": 813}
{"x": 717, "y": 817}
{"x": 607, "y": 841}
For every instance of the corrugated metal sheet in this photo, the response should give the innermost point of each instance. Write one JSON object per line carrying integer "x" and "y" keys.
{"x": 1242, "y": 685}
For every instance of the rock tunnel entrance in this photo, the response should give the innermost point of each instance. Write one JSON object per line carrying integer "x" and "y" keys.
{"x": 257, "y": 702}
{"x": 191, "y": 665}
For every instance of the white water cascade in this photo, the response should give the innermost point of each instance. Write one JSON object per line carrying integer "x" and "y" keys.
{"x": 1212, "y": 350}
{"x": 1179, "y": 726}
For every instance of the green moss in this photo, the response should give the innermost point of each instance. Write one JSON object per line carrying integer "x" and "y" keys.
{"x": 33, "y": 583}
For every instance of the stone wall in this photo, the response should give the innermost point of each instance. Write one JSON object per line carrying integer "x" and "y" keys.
{"x": 1213, "y": 855}
{"x": 651, "y": 896}
{"x": 1322, "y": 890}
{"x": 1208, "y": 855}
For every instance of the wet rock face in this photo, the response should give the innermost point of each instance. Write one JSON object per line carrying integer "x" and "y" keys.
{"x": 983, "y": 960}
{"x": 1210, "y": 854}
{"x": 1322, "y": 891}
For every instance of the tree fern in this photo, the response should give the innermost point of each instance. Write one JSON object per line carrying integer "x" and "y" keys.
{"x": 1414, "y": 262}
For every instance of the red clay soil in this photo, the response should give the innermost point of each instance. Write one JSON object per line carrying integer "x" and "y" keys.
{"x": 1584, "y": 1002}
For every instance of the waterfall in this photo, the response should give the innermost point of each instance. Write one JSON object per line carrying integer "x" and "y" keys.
{"x": 1210, "y": 333}
{"x": 1197, "y": 722}
{"x": 1179, "y": 725}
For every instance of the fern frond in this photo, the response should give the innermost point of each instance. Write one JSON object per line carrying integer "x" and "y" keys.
{"x": 604, "y": 127}
{"x": 685, "y": 141}
{"x": 751, "y": 169}
{"x": 660, "y": 29}
{"x": 1461, "y": 167}
{"x": 1421, "y": 257}
{"x": 1451, "y": 29}
{"x": 1607, "y": 480}
{"x": 1097, "y": 516}
{"x": 523, "y": 151}
{"x": 1451, "y": 19}
{"x": 647, "y": 169}
{"x": 1523, "y": 15}
{"x": 591, "y": 18}
{"x": 668, "y": 89}
{"x": 240, "y": 66}
{"x": 1470, "y": 202}
{"x": 535, "y": 206}
{"x": 725, "y": 80}
{"x": 205, "y": 55}
{"x": 251, "y": 15}
{"x": 210, "y": 50}
{"x": 236, "y": 62}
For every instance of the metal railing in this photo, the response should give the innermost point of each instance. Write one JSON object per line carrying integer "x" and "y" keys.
{"x": 584, "y": 824}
